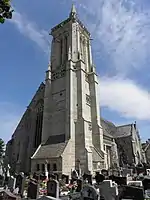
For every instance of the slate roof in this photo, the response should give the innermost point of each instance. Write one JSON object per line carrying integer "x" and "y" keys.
{"x": 110, "y": 130}
{"x": 50, "y": 151}
{"x": 124, "y": 131}
{"x": 145, "y": 146}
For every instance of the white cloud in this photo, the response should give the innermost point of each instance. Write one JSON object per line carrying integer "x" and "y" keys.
{"x": 9, "y": 117}
{"x": 30, "y": 30}
{"x": 121, "y": 32}
{"x": 125, "y": 97}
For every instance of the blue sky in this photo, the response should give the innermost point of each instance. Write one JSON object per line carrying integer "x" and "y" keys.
{"x": 121, "y": 50}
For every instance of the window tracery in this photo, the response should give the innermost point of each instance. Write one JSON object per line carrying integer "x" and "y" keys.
{"x": 39, "y": 122}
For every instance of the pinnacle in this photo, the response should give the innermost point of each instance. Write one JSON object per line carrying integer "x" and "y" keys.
{"x": 73, "y": 10}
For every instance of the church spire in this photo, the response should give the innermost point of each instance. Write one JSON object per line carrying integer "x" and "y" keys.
{"x": 73, "y": 12}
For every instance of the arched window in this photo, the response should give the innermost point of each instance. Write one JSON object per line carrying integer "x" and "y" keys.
{"x": 48, "y": 167}
{"x": 38, "y": 167}
{"x": 54, "y": 167}
{"x": 43, "y": 168}
{"x": 39, "y": 122}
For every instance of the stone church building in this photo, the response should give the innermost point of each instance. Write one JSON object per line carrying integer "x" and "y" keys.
{"x": 62, "y": 130}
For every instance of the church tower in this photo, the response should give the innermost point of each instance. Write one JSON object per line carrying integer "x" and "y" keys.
{"x": 72, "y": 136}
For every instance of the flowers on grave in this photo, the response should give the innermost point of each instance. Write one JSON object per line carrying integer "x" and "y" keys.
{"x": 72, "y": 187}
{"x": 43, "y": 188}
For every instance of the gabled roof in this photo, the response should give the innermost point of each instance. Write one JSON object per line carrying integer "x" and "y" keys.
{"x": 49, "y": 151}
{"x": 124, "y": 131}
{"x": 145, "y": 146}
{"x": 96, "y": 155}
{"x": 110, "y": 130}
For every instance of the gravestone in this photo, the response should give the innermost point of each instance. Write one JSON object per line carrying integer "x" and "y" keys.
{"x": 1, "y": 180}
{"x": 79, "y": 185}
{"x": 33, "y": 189}
{"x": 126, "y": 171}
{"x": 20, "y": 183}
{"x": 11, "y": 183}
{"x": 147, "y": 194}
{"x": 56, "y": 176}
{"x": 89, "y": 193}
{"x": 135, "y": 183}
{"x": 99, "y": 177}
{"x": 119, "y": 180}
{"x": 148, "y": 172}
{"x": 47, "y": 198}
{"x": 7, "y": 195}
{"x": 16, "y": 190}
{"x": 108, "y": 190}
{"x": 65, "y": 178}
{"x": 146, "y": 183}
{"x": 131, "y": 193}
{"x": 104, "y": 172}
{"x": 73, "y": 196}
{"x": 88, "y": 177}
{"x": 53, "y": 188}
{"x": 129, "y": 178}
{"x": 74, "y": 175}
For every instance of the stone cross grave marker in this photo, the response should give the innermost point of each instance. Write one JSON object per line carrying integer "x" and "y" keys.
{"x": 108, "y": 190}
{"x": 53, "y": 188}
{"x": 89, "y": 193}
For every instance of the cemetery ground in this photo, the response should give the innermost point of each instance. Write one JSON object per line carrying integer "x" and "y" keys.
{"x": 101, "y": 186}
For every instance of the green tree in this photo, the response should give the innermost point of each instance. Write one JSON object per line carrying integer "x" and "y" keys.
{"x": 5, "y": 10}
{"x": 2, "y": 148}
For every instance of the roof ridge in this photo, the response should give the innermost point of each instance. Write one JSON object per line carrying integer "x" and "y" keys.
{"x": 124, "y": 125}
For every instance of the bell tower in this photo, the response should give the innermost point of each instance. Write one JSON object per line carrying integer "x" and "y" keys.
{"x": 71, "y": 106}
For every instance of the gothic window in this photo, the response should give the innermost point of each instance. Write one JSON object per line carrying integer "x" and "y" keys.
{"x": 54, "y": 167}
{"x": 88, "y": 99}
{"x": 17, "y": 156}
{"x": 43, "y": 168}
{"x": 48, "y": 167}
{"x": 37, "y": 167}
{"x": 28, "y": 120}
{"x": 39, "y": 122}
